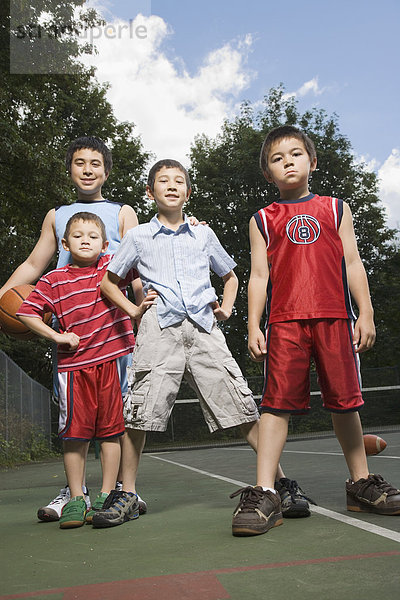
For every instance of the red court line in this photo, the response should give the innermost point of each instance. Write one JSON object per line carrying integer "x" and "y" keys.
{"x": 185, "y": 586}
{"x": 297, "y": 563}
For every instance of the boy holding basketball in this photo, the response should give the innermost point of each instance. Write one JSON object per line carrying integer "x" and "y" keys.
{"x": 92, "y": 336}
{"x": 88, "y": 162}
{"x": 304, "y": 265}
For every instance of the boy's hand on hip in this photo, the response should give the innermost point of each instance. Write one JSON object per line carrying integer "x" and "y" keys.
{"x": 148, "y": 301}
{"x": 69, "y": 339}
{"x": 257, "y": 347}
{"x": 220, "y": 313}
{"x": 364, "y": 334}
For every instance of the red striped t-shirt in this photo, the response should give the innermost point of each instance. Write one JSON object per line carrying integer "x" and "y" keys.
{"x": 73, "y": 295}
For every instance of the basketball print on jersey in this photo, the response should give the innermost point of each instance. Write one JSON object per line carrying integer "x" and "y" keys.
{"x": 303, "y": 229}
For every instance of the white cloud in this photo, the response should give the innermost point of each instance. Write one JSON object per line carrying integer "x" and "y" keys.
{"x": 308, "y": 87}
{"x": 389, "y": 176}
{"x": 168, "y": 104}
{"x": 371, "y": 164}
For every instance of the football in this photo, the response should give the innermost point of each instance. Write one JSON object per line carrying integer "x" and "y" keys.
{"x": 373, "y": 444}
{"x": 10, "y": 303}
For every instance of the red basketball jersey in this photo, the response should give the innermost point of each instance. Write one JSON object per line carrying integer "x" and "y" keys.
{"x": 307, "y": 277}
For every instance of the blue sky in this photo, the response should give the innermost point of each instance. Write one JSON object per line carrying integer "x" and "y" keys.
{"x": 203, "y": 58}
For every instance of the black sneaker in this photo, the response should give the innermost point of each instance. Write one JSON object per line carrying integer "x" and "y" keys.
{"x": 295, "y": 503}
{"x": 257, "y": 511}
{"x": 373, "y": 494}
{"x": 118, "y": 508}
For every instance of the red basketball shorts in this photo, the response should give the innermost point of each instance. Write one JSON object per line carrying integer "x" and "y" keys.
{"x": 290, "y": 347}
{"x": 90, "y": 403}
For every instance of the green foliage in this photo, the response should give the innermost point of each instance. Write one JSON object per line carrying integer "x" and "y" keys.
{"x": 40, "y": 115}
{"x": 228, "y": 188}
{"x": 35, "y": 448}
{"x": 48, "y": 45}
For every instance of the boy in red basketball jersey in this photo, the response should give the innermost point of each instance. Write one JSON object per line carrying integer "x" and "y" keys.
{"x": 304, "y": 265}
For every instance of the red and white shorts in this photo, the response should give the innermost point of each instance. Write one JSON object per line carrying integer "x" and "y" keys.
{"x": 290, "y": 347}
{"x": 90, "y": 402}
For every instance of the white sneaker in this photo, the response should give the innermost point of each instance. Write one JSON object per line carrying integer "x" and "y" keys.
{"x": 142, "y": 503}
{"x": 52, "y": 511}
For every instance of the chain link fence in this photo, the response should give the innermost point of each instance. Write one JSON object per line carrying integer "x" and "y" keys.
{"x": 25, "y": 411}
{"x": 24, "y": 408}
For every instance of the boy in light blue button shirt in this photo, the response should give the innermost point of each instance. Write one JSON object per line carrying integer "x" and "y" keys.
{"x": 178, "y": 335}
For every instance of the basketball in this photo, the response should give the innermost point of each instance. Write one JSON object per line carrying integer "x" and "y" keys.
{"x": 10, "y": 303}
{"x": 373, "y": 444}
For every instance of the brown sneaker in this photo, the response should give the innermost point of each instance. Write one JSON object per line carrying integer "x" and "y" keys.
{"x": 295, "y": 504}
{"x": 373, "y": 494}
{"x": 257, "y": 511}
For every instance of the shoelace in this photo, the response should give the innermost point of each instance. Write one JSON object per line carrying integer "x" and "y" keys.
{"x": 116, "y": 497}
{"x": 111, "y": 498}
{"x": 295, "y": 490}
{"x": 250, "y": 497}
{"x": 384, "y": 486}
{"x": 61, "y": 496}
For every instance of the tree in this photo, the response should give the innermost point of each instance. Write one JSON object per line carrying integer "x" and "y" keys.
{"x": 40, "y": 114}
{"x": 228, "y": 188}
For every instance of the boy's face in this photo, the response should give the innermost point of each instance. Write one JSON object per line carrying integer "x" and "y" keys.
{"x": 170, "y": 190}
{"x": 87, "y": 171}
{"x": 289, "y": 164}
{"x": 84, "y": 243}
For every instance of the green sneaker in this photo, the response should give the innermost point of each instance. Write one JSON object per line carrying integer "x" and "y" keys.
{"x": 97, "y": 505}
{"x": 74, "y": 512}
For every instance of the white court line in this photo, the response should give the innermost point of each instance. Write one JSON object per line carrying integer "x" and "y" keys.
{"x": 380, "y": 456}
{"x": 371, "y": 528}
{"x": 248, "y": 449}
{"x": 227, "y": 479}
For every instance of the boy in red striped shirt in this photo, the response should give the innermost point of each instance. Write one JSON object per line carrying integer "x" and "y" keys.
{"x": 93, "y": 335}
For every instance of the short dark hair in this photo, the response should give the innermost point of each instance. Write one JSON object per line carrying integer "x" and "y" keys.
{"x": 168, "y": 163}
{"x": 279, "y": 133}
{"x": 87, "y": 217}
{"x": 92, "y": 143}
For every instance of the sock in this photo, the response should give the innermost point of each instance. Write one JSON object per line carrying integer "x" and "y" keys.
{"x": 267, "y": 489}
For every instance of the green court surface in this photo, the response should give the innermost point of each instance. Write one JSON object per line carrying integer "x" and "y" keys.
{"x": 182, "y": 549}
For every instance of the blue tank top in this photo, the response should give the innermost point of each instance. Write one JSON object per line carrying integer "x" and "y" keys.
{"x": 107, "y": 211}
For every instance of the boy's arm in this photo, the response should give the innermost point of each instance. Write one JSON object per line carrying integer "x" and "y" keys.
{"x": 32, "y": 268}
{"x": 364, "y": 330}
{"x": 257, "y": 292}
{"x": 40, "y": 328}
{"x": 109, "y": 287}
{"x": 223, "y": 312}
{"x": 138, "y": 290}
{"x": 127, "y": 219}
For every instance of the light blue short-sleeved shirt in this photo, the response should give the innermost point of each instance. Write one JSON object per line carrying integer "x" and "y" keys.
{"x": 177, "y": 265}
